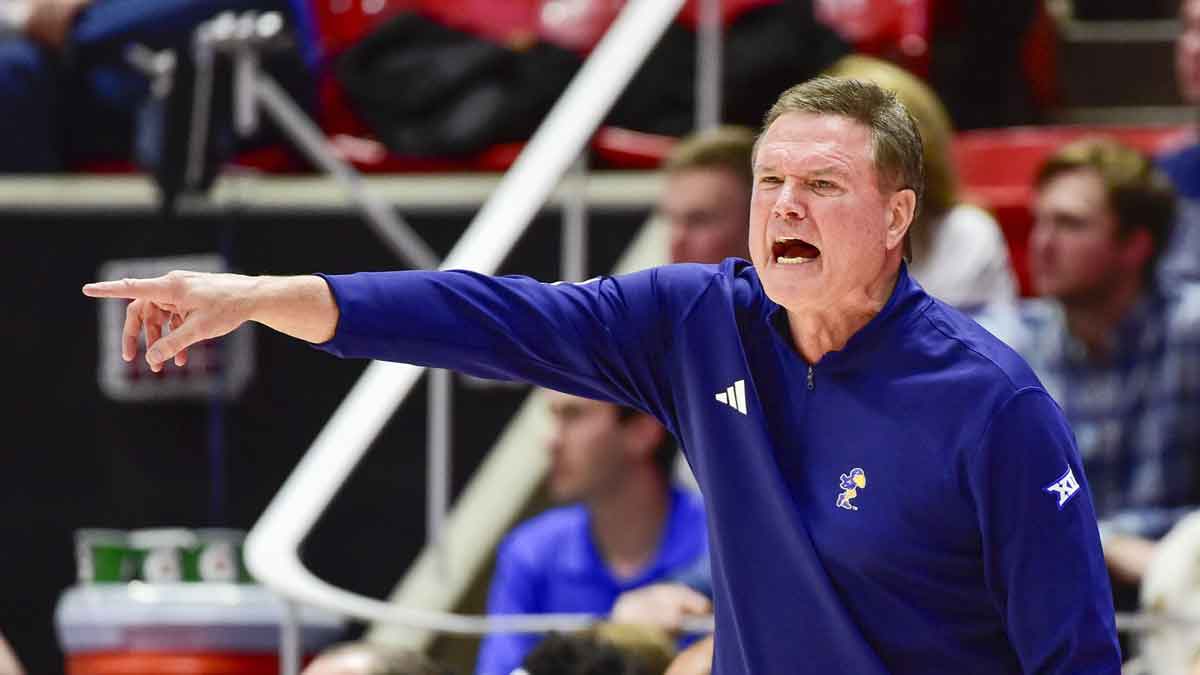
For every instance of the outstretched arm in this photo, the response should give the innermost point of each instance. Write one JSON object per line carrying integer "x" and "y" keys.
{"x": 606, "y": 338}
{"x": 180, "y": 309}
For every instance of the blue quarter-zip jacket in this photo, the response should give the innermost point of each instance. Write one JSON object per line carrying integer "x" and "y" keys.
{"x": 912, "y": 503}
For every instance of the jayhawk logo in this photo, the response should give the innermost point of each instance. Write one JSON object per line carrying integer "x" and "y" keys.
{"x": 851, "y": 483}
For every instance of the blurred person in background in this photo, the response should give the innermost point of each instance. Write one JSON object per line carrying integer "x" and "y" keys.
{"x": 1182, "y": 166}
{"x": 67, "y": 93}
{"x": 8, "y": 661}
{"x": 958, "y": 252}
{"x": 367, "y": 658}
{"x": 705, "y": 200}
{"x": 625, "y": 524}
{"x": 1118, "y": 349}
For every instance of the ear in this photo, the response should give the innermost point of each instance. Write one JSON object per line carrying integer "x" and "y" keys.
{"x": 1137, "y": 247}
{"x": 901, "y": 207}
{"x": 643, "y": 434}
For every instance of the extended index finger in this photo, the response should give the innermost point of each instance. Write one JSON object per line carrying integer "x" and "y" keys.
{"x": 151, "y": 289}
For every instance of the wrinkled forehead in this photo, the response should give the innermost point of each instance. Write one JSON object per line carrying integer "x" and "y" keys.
{"x": 803, "y": 141}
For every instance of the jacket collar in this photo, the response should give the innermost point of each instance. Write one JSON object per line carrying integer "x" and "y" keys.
{"x": 903, "y": 305}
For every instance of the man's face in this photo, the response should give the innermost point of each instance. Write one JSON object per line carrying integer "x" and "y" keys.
{"x": 819, "y": 224}
{"x": 1187, "y": 52}
{"x": 587, "y": 451}
{"x": 706, "y": 210}
{"x": 1074, "y": 251}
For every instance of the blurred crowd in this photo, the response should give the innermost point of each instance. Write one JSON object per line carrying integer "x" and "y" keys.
{"x": 1110, "y": 321}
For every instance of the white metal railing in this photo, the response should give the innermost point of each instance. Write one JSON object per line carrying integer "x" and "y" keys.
{"x": 273, "y": 544}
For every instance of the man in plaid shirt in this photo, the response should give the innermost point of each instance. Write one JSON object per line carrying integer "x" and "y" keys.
{"x": 1119, "y": 351}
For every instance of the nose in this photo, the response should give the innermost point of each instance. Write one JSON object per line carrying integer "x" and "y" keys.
{"x": 789, "y": 205}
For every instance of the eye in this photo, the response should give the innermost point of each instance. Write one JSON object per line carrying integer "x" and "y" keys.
{"x": 770, "y": 180}
{"x": 821, "y": 185}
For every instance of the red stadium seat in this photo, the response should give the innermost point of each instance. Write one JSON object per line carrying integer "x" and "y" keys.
{"x": 997, "y": 169}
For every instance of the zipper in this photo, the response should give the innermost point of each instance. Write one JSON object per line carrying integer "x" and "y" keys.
{"x": 811, "y": 384}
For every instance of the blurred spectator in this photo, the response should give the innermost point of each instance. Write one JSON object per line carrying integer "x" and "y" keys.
{"x": 1118, "y": 350}
{"x": 608, "y": 649}
{"x": 366, "y": 658}
{"x": 8, "y": 661}
{"x": 958, "y": 252}
{"x": 66, "y": 91}
{"x": 706, "y": 198}
{"x": 630, "y": 527}
{"x": 1182, "y": 259}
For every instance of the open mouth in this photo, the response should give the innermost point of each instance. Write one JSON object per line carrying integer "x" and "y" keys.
{"x": 793, "y": 251}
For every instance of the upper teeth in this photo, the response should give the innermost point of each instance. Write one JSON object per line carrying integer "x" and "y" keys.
{"x": 785, "y": 260}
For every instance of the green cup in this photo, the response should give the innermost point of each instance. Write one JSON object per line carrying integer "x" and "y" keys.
{"x": 103, "y": 556}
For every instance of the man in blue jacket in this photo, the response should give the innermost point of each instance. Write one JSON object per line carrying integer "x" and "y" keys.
{"x": 889, "y": 488}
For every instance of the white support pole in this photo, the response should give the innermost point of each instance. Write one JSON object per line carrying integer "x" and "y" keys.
{"x": 245, "y": 69}
{"x": 708, "y": 65}
{"x": 202, "y": 87}
{"x": 575, "y": 223}
{"x": 438, "y": 466}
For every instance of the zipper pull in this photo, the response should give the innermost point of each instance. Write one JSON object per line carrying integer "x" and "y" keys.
{"x": 811, "y": 385}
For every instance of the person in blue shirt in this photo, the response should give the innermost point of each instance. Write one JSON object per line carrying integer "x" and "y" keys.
{"x": 626, "y": 527}
{"x": 972, "y": 545}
